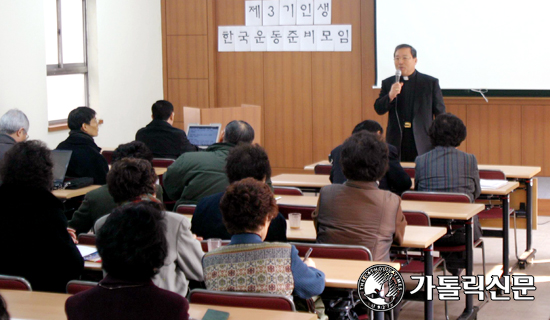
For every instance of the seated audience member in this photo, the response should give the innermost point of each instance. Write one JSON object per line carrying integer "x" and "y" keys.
{"x": 395, "y": 180}
{"x": 133, "y": 248}
{"x": 248, "y": 206}
{"x": 243, "y": 161}
{"x": 99, "y": 202}
{"x": 161, "y": 137}
{"x": 133, "y": 180}
{"x": 14, "y": 127}
{"x": 4, "y": 315}
{"x": 358, "y": 212}
{"x": 447, "y": 169}
{"x": 34, "y": 242}
{"x": 196, "y": 175}
{"x": 86, "y": 159}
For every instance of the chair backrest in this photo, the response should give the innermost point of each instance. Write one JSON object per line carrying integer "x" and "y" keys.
{"x": 417, "y": 218}
{"x": 287, "y": 191}
{"x": 322, "y": 169}
{"x": 108, "y": 155}
{"x": 87, "y": 238}
{"x": 435, "y": 196}
{"x": 410, "y": 172}
{"x": 242, "y": 299}
{"x": 162, "y": 162}
{"x": 492, "y": 174}
{"x": 14, "y": 283}
{"x": 334, "y": 251}
{"x": 76, "y": 286}
{"x": 204, "y": 244}
{"x": 186, "y": 209}
{"x": 305, "y": 211}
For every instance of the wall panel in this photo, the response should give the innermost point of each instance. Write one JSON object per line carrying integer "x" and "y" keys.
{"x": 187, "y": 57}
{"x": 186, "y": 17}
{"x": 536, "y": 137}
{"x": 187, "y": 93}
{"x": 288, "y": 109}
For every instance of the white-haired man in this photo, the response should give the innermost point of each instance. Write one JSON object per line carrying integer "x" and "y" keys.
{"x": 14, "y": 128}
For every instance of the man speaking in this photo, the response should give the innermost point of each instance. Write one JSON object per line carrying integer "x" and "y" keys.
{"x": 413, "y": 100}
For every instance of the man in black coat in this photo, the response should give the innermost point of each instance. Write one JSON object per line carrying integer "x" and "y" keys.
{"x": 161, "y": 137}
{"x": 243, "y": 161}
{"x": 86, "y": 159}
{"x": 395, "y": 180}
{"x": 411, "y": 104}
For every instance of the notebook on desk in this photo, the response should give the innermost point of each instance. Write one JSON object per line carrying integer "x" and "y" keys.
{"x": 492, "y": 184}
{"x": 203, "y": 135}
{"x": 60, "y": 159}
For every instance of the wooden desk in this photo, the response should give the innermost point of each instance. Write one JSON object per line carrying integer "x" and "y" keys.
{"x": 516, "y": 172}
{"x": 68, "y": 194}
{"x": 160, "y": 171}
{"x": 45, "y": 306}
{"x": 312, "y": 166}
{"x": 345, "y": 273}
{"x": 303, "y": 181}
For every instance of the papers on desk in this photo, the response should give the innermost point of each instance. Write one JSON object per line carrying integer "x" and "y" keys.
{"x": 492, "y": 184}
{"x": 89, "y": 253}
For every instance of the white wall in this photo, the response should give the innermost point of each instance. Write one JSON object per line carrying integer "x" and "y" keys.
{"x": 125, "y": 66}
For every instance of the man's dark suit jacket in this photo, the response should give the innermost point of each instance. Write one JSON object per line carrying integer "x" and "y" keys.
{"x": 428, "y": 102}
{"x": 395, "y": 180}
{"x": 207, "y": 221}
{"x": 164, "y": 140}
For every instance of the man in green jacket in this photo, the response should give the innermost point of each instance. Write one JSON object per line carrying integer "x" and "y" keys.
{"x": 195, "y": 175}
{"x": 99, "y": 202}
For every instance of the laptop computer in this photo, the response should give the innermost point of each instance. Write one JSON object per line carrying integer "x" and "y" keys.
{"x": 203, "y": 135}
{"x": 60, "y": 159}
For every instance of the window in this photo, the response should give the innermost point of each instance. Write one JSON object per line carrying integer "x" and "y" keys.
{"x": 67, "y": 69}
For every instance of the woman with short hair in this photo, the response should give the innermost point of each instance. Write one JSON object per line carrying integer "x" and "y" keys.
{"x": 133, "y": 247}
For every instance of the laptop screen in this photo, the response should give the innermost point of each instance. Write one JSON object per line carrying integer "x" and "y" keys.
{"x": 203, "y": 135}
{"x": 60, "y": 159}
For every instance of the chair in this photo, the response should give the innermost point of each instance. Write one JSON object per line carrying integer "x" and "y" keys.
{"x": 334, "y": 251}
{"x": 410, "y": 172}
{"x": 108, "y": 155}
{"x": 446, "y": 197}
{"x": 322, "y": 169}
{"x": 287, "y": 191}
{"x": 305, "y": 211}
{"x": 14, "y": 283}
{"x": 242, "y": 299}
{"x": 76, "y": 286}
{"x": 204, "y": 244}
{"x": 186, "y": 209}
{"x": 87, "y": 239}
{"x": 164, "y": 163}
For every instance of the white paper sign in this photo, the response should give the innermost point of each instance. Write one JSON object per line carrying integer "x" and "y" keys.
{"x": 275, "y": 40}
{"x": 287, "y": 11}
{"x": 307, "y": 38}
{"x": 253, "y": 13}
{"x": 342, "y": 35}
{"x": 304, "y": 15}
{"x": 242, "y": 38}
{"x": 325, "y": 38}
{"x": 323, "y": 12}
{"x": 259, "y": 39}
{"x": 271, "y": 13}
{"x": 226, "y": 39}
{"x": 291, "y": 38}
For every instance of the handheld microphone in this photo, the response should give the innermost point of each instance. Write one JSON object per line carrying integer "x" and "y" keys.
{"x": 397, "y": 75}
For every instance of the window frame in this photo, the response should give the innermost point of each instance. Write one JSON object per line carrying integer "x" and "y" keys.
{"x": 69, "y": 68}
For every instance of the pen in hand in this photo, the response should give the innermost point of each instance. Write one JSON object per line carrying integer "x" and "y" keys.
{"x": 308, "y": 253}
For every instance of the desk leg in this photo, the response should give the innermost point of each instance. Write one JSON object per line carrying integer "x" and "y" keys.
{"x": 428, "y": 271}
{"x": 470, "y": 312}
{"x": 505, "y": 235}
{"x": 529, "y": 251}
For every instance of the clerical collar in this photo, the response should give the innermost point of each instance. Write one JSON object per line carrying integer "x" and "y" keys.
{"x": 405, "y": 78}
